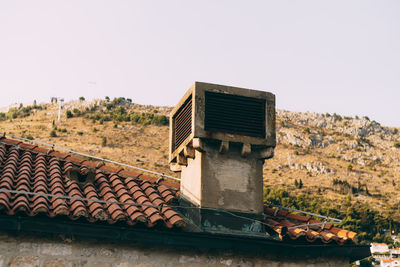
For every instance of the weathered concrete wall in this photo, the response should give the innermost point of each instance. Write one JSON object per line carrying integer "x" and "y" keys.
{"x": 34, "y": 250}
{"x": 231, "y": 181}
{"x": 224, "y": 180}
{"x": 191, "y": 183}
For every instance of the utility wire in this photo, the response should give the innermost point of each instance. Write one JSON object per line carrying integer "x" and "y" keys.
{"x": 123, "y": 203}
{"x": 335, "y": 221}
{"x": 89, "y": 156}
{"x": 153, "y": 206}
{"x": 308, "y": 213}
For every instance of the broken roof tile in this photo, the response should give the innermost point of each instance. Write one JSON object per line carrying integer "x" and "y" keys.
{"x": 298, "y": 229}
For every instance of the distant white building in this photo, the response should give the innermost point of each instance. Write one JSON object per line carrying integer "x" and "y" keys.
{"x": 395, "y": 253}
{"x": 395, "y": 239}
{"x": 390, "y": 262}
{"x": 388, "y": 257}
{"x": 379, "y": 248}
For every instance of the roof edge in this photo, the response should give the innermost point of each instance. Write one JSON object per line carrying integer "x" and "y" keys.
{"x": 180, "y": 238}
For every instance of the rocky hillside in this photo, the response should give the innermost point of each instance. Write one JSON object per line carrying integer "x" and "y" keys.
{"x": 336, "y": 156}
{"x": 328, "y": 157}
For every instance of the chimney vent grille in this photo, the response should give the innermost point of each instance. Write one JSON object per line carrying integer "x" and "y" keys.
{"x": 182, "y": 123}
{"x": 234, "y": 114}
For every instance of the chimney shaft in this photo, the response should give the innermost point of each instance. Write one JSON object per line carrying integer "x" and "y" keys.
{"x": 219, "y": 139}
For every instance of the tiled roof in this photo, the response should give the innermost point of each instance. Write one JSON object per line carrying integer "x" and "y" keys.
{"x": 25, "y": 167}
{"x": 379, "y": 244}
{"x": 282, "y": 222}
{"x": 29, "y": 168}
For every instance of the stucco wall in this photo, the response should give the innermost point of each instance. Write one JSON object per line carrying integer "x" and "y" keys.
{"x": 224, "y": 180}
{"x": 36, "y": 250}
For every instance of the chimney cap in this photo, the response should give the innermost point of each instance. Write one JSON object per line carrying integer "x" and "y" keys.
{"x": 223, "y": 89}
{"x": 224, "y": 113}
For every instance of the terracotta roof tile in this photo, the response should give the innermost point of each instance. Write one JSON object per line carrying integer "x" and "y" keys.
{"x": 136, "y": 197}
{"x": 29, "y": 168}
{"x": 293, "y": 227}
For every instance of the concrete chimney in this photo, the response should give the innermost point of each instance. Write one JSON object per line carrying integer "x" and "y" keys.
{"x": 219, "y": 139}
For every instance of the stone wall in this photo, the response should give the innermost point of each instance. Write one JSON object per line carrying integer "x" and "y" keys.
{"x": 44, "y": 250}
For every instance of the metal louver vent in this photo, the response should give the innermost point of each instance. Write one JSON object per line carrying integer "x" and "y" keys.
{"x": 234, "y": 114}
{"x": 182, "y": 123}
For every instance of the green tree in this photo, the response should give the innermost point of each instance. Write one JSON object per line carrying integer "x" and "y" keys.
{"x": 349, "y": 167}
{"x": 104, "y": 141}
{"x": 53, "y": 133}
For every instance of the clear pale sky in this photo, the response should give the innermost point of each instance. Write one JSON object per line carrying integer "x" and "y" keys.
{"x": 323, "y": 56}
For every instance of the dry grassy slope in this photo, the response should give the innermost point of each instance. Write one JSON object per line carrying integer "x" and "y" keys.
{"x": 312, "y": 147}
{"x": 142, "y": 146}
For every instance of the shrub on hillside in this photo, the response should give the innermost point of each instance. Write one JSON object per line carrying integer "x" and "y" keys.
{"x": 337, "y": 117}
{"x": 53, "y": 133}
{"x": 76, "y": 111}
{"x": 69, "y": 114}
{"x": 160, "y": 120}
{"x": 349, "y": 167}
{"x": 298, "y": 184}
{"x": 3, "y": 116}
{"x": 20, "y": 112}
{"x": 103, "y": 141}
{"x": 117, "y": 111}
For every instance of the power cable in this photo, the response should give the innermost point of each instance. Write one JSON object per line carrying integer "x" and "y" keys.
{"x": 335, "y": 221}
{"x": 89, "y": 156}
{"x": 148, "y": 205}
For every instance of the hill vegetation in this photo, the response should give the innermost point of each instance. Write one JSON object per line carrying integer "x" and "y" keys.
{"x": 339, "y": 166}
